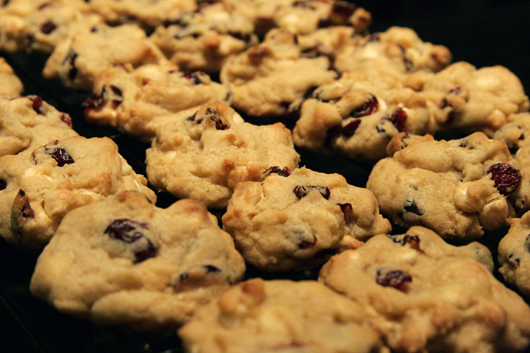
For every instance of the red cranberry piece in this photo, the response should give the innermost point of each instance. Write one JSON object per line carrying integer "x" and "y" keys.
{"x": 369, "y": 107}
{"x": 302, "y": 190}
{"x": 70, "y": 59}
{"x": 192, "y": 76}
{"x": 285, "y": 172}
{"x": 506, "y": 178}
{"x": 349, "y": 129}
{"x": 118, "y": 96}
{"x": 36, "y": 104}
{"x": 5, "y": 3}
{"x": 3, "y": 184}
{"x": 65, "y": 118}
{"x": 305, "y": 244}
{"x": 399, "y": 120}
{"x": 48, "y": 27}
{"x": 127, "y": 231}
{"x": 395, "y": 279}
{"x": 219, "y": 125}
{"x": 96, "y": 100}
{"x": 347, "y": 210}
{"x": 513, "y": 261}
{"x": 60, "y": 155}
{"x": 412, "y": 240}
{"x": 26, "y": 210}
{"x": 413, "y": 208}
{"x": 192, "y": 118}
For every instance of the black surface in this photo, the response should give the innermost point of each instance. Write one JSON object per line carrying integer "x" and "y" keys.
{"x": 484, "y": 33}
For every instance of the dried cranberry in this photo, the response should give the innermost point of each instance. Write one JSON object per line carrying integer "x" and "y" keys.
{"x": 96, "y": 100}
{"x": 70, "y": 59}
{"x": 412, "y": 240}
{"x": 302, "y": 190}
{"x": 192, "y": 76}
{"x": 48, "y": 27}
{"x": 211, "y": 268}
{"x": 36, "y": 104}
{"x": 3, "y": 184}
{"x": 60, "y": 155}
{"x": 349, "y": 129}
{"x": 399, "y": 120}
{"x": 347, "y": 210}
{"x": 5, "y": 3}
{"x": 369, "y": 107}
{"x": 413, "y": 208}
{"x": 192, "y": 118}
{"x": 395, "y": 279}
{"x": 127, "y": 231}
{"x": 513, "y": 261}
{"x": 444, "y": 104}
{"x": 26, "y": 211}
{"x": 305, "y": 244}
{"x": 506, "y": 178}
{"x": 285, "y": 172}
{"x": 219, "y": 125}
{"x": 65, "y": 118}
{"x": 117, "y": 99}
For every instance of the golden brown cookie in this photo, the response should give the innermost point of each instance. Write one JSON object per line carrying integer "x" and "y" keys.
{"x": 125, "y": 261}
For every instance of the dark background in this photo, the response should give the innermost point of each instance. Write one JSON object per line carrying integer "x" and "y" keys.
{"x": 483, "y": 33}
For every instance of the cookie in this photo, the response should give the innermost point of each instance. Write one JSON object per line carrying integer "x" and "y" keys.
{"x": 458, "y": 188}
{"x": 77, "y": 61}
{"x": 465, "y": 99}
{"x": 204, "y": 155}
{"x": 28, "y": 122}
{"x": 132, "y": 100}
{"x": 303, "y": 17}
{"x": 205, "y": 38}
{"x": 292, "y": 220}
{"x": 273, "y": 77}
{"x": 280, "y": 315}
{"x": 124, "y": 261}
{"x": 398, "y": 52}
{"x": 516, "y": 134}
{"x": 147, "y": 13}
{"x": 11, "y": 84}
{"x": 514, "y": 254}
{"x": 38, "y": 25}
{"x": 38, "y": 190}
{"x": 358, "y": 114}
{"x": 424, "y": 295}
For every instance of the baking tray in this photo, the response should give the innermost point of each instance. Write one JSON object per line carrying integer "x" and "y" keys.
{"x": 484, "y": 33}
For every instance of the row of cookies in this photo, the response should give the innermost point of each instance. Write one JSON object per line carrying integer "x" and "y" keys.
{"x": 302, "y": 241}
{"x": 130, "y": 241}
